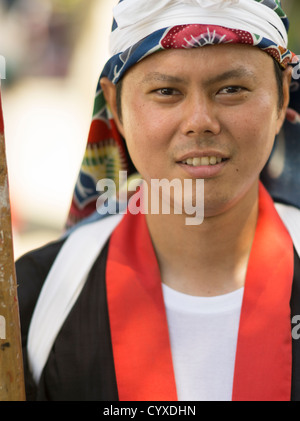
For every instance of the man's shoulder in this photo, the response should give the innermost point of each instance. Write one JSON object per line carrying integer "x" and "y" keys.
{"x": 38, "y": 260}
{"x": 31, "y": 271}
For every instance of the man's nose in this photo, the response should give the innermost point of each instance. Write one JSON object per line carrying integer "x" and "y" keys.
{"x": 200, "y": 117}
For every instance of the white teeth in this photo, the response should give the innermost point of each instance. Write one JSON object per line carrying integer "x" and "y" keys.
{"x": 204, "y": 160}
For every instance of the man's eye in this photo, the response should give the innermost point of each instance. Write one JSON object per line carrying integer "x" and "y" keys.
{"x": 167, "y": 92}
{"x": 231, "y": 90}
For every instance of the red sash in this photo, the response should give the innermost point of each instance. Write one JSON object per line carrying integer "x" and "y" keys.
{"x": 138, "y": 322}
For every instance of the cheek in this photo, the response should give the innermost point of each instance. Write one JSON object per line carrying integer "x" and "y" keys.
{"x": 146, "y": 135}
{"x": 142, "y": 143}
{"x": 255, "y": 133}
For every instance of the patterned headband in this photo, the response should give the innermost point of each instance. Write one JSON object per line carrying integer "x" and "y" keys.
{"x": 135, "y": 20}
{"x": 106, "y": 153}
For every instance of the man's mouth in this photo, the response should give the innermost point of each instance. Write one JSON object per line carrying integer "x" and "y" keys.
{"x": 203, "y": 161}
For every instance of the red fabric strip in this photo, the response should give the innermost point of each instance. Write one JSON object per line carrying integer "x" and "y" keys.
{"x": 264, "y": 351}
{"x": 138, "y": 322}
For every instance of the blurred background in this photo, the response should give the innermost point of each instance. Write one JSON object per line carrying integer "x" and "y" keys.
{"x": 54, "y": 52}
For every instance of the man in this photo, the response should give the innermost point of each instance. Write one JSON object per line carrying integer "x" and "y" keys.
{"x": 143, "y": 305}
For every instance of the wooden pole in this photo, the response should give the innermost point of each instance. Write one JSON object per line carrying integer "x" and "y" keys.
{"x": 11, "y": 362}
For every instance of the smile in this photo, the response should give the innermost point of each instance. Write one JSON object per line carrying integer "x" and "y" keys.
{"x": 203, "y": 160}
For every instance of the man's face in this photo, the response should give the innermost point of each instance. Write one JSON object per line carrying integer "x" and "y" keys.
{"x": 208, "y": 113}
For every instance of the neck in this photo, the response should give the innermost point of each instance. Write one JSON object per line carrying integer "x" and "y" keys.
{"x": 208, "y": 259}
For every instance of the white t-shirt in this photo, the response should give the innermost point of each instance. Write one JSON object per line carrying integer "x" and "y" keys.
{"x": 203, "y": 334}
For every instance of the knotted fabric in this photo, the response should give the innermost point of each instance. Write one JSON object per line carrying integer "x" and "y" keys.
{"x": 136, "y": 20}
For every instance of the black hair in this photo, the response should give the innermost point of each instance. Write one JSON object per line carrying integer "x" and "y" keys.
{"x": 279, "y": 80}
{"x": 118, "y": 98}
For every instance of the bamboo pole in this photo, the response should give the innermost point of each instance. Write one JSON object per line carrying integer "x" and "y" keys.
{"x": 11, "y": 362}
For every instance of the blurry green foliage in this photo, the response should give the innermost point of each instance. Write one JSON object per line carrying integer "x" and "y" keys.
{"x": 292, "y": 9}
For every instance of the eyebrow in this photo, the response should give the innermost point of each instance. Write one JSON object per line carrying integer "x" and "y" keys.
{"x": 161, "y": 77}
{"x": 240, "y": 72}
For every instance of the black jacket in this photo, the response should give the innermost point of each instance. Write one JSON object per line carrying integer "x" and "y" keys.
{"x": 80, "y": 366}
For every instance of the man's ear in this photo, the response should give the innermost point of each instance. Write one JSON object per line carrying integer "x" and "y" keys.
{"x": 109, "y": 91}
{"x": 286, "y": 82}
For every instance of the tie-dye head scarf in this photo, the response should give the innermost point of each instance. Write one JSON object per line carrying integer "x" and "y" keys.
{"x": 141, "y": 28}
